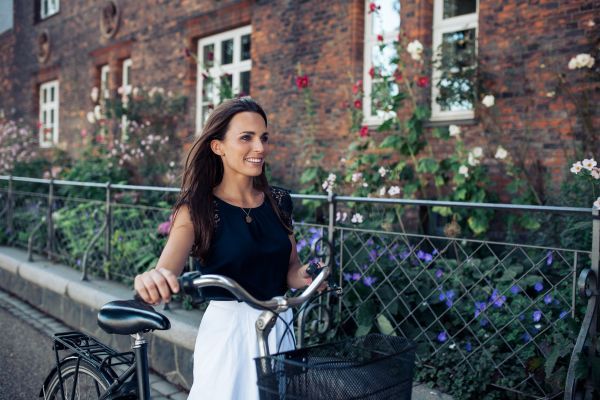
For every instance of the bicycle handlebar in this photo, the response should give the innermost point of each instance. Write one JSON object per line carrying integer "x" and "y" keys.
{"x": 191, "y": 281}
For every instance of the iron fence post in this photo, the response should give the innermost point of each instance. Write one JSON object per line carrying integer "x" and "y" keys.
{"x": 331, "y": 201}
{"x": 9, "y": 211}
{"x": 108, "y": 232}
{"x": 49, "y": 222}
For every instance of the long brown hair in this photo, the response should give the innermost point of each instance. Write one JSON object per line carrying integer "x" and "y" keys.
{"x": 204, "y": 171}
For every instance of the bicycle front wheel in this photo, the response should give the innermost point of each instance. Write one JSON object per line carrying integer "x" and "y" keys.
{"x": 84, "y": 381}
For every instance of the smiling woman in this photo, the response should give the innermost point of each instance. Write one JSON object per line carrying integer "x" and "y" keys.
{"x": 236, "y": 225}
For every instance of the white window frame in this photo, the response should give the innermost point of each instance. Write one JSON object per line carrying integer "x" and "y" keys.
{"x": 104, "y": 81}
{"x": 126, "y": 75}
{"x": 48, "y": 8}
{"x": 215, "y": 72}
{"x": 371, "y": 42}
{"x": 6, "y": 17}
{"x": 440, "y": 27}
{"x": 49, "y": 107}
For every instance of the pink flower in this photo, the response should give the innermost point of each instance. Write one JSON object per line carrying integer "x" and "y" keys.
{"x": 372, "y": 72}
{"x": 357, "y": 86}
{"x": 373, "y": 7}
{"x": 380, "y": 38}
{"x": 398, "y": 76}
{"x": 164, "y": 228}
{"x": 83, "y": 133}
{"x": 422, "y": 81}
{"x": 358, "y": 104}
{"x": 302, "y": 81}
{"x": 364, "y": 131}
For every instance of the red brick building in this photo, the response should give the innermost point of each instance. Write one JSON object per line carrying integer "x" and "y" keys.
{"x": 53, "y": 52}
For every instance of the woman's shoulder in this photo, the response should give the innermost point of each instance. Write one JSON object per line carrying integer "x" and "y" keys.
{"x": 282, "y": 197}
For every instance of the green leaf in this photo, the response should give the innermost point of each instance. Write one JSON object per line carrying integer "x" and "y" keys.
{"x": 530, "y": 223}
{"x": 385, "y": 326}
{"x": 460, "y": 194}
{"x": 308, "y": 175}
{"x": 390, "y": 142}
{"x": 443, "y": 211}
{"x": 556, "y": 353}
{"x": 477, "y": 224}
{"x": 428, "y": 165}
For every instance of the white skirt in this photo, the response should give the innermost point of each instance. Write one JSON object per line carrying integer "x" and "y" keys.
{"x": 224, "y": 366}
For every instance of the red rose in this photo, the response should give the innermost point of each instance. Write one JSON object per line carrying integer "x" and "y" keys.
{"x": 398, "y": 76}
{"x": 302, "y": 82}
{"x": 357, "y": 104}
{"x": 422, "y": 81}
{"x": 373, "y": 7}
{"x": 357, "y": 87}
{"x": 364, "y": 131}
{"x": 380, "y": 38}
{"x": 372, "y": 72}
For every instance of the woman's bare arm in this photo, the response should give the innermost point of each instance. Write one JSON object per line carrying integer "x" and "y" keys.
{"x": 297, "y": 278}
{"x": 158, "y": 283}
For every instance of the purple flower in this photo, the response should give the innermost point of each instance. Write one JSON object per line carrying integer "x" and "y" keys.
{"x": 405, "y": 254}
{"x": 468, "y": 347}
{"x": 347, "y": 276}
{"x": 483, "y": 322}
{"x": 539, "y": 286}
{"x": 537, "y": 316}
{"x": 439, "y": 273}
{"x": 497, "y": 299}
{"x": 301, "y": 245}
{"x": 369, "y": 280}
{"x": 78, "y": 262}
{"x": 526, "y": 337}
{"x": 434, "y": 252}
{"x": 549, "y": 258}
{"x": 442, "y": 337}
{"x": 563, "y": 314}
{"x": 521, "y": 317}
{"x": 479, "y": 308}
{"x": 355, "y": 276}
{"x": 164, "y": 228}
{"x": 547, "y": 299}
{"x": 421, "y": 255}
{"x": 373, "y": 255}
{"x": 370, "y": 242}
{"x": 515, "y": 289}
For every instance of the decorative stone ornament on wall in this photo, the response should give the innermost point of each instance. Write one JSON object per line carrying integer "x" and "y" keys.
{"x": 110, "y": 17}
{"x": 43, "y": 46}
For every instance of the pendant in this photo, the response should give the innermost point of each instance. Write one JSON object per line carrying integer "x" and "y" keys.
{"x": 248, "y": 219}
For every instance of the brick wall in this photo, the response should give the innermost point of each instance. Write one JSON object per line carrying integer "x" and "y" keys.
{"x": 326, "y": 39}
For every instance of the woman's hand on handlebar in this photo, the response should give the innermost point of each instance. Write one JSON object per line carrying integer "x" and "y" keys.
{"x": 310, "y": 271}
{"x": 156, "y": 285}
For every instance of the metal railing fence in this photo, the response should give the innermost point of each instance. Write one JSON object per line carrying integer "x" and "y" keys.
{"x": 490, "y": 312}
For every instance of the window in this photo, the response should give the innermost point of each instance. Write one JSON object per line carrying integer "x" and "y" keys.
{"x": 48, "y": 8}
{"x": 224, "y": 66}
{"x": 455, "y": 46}
{"x": 104, "y": 81}
{"x": 49, "y": 106}
{"x": 126, "y": 78}
{"x": 6, "y": 15}
{"x": 379, "y": 54}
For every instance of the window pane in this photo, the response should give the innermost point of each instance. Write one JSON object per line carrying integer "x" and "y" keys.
{"x": 208, "y": 55}
{"x": 206, "y": 109}
{"x": 226, "y": 87}
{"x": 44, "y": 8}
{"x": 52, "y": 94}
{"x": 384, "y": 60}
{"x": 454, "y": 8}
{"x": 207, "y": 89}
{"x": 245, "y": 83}
{"x": 52, "y": 117}
{"x": 227, "y": 51}
{"x": 44, "y": 96}
{"x": 387, "y": 18}
{"x": 44, "y": 118}
{"x": 457, "y": 68}
{"x": 245, "y": 47}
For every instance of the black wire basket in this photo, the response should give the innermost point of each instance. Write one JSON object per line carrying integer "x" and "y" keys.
{"x": 368, "y": 367}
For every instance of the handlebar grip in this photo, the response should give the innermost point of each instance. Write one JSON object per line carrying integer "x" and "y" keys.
{"x": 186, "y": 286}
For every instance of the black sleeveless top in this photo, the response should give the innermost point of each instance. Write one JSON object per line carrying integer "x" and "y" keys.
{"x": 255, "y": 254}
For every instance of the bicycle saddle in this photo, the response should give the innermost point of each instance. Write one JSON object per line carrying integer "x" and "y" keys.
{"x": 126, "y": 317}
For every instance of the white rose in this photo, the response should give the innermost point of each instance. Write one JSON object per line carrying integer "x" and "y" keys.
{"x": 596, "y": 173}
{"x": 488, "y": 100}
{"x": 472, "y": 160}
{"x": 94, "y": 94}
{"x": 463, "y": 170}
{"x": 382, "y": 191}
{"x": 454, "y": 130}
{"x": 357, "y": 219}
{"x": 415, "y": 49}
{"x": 584, "y": 60}
{"x": 172, "y": 164}
{"x": 589, "y": 164}
{"x": 394, "y": 190}
{"x": 90, "y": 117}
{"x": 477, "y": 151}
{"x": 356, "y": 176}
{"x": 573, "y": 63}
{"x": 501, "y": 153}
{"x": 331, "y": 178}
{"x": 577, "y": 167}
{"x": 98, "y": 112}
{"x": 382, "y": 171}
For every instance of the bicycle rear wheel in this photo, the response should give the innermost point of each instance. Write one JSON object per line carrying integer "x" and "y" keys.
{"x": 90, "y": 382}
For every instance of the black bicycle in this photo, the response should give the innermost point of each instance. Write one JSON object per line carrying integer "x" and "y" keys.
{"x": 372, "y": 367}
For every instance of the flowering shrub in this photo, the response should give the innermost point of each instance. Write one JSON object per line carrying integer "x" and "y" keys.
{"x": 588, "y": 171}
{"x": 18, "y": 144}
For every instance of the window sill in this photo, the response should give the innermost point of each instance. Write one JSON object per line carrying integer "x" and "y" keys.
{"x": 40, "y": 20}
{"x": 445, "y": 122}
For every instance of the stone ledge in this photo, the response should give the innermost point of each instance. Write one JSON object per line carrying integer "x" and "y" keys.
{"x": 59, "y": 291}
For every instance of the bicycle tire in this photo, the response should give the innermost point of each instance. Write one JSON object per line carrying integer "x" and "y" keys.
{"x": 91, "y": 382}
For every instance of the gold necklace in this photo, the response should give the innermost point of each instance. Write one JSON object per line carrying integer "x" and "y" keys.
{"x": 248, "y": 217}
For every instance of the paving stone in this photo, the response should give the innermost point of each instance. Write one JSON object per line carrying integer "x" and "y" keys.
{"x": 165, "y": 388}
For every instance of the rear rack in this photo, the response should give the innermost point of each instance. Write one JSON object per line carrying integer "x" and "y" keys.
{"x": 90, "y": 349}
